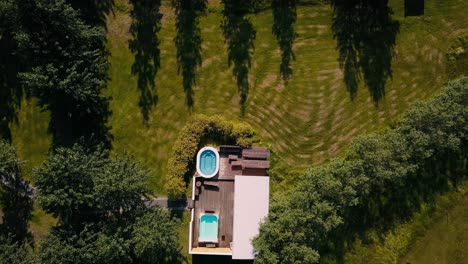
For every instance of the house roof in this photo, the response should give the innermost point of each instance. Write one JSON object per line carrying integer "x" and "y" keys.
{"x": 251, "y": 198}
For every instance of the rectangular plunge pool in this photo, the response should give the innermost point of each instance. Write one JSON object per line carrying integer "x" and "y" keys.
{"x": 208, "y": 231}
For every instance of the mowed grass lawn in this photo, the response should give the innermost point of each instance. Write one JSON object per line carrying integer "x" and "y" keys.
{"x": 306, "y": 122}
{"x": 446, "y": 242}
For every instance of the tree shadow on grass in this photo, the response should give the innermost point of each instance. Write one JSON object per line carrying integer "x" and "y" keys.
{"x": 64, "y": 64}
{"x": 188, "y": 42}
{"x": 72, "y": 126}
{"x": 17, "y": 212}
{"x": 284, "y": 17}
{"x": 146, "y": 23}
{"x": 366, "y": 37}
{"x": 10, "y": 91}
{"x": 414, "y": 7}
{"x": 93, "y": 12}
{"x": 239, "y": 35}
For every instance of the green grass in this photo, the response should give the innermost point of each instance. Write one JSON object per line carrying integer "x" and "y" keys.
{"x": 307, "y": 122}
{"x": 41, "y": 223}
{"x": 30, "y": 137}
{"x": 184, "y": 238}
{"x": 435, "y": 234}
{"x": 447, "y": 240}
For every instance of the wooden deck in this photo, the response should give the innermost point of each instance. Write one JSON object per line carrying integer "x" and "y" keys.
{"x": 216, "y": 195}
{"x": 212, "y": 250}
{"x": 220, "y": 200}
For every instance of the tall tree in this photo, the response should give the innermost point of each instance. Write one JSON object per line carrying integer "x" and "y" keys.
{"x": 67, "y": 70}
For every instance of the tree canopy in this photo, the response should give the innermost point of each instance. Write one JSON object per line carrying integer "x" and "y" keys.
{"x": 80, "y": 186}
{"x": 65, "y": 67}
{"x": 15, "y": 197}
{"x": 102, "y": 216}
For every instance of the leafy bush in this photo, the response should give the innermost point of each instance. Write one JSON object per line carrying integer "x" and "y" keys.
{"x": 14, "y": 253}
{"x": 9, "y": 163}
{"x": 82, "y": 187}
{"x": 201, "y": 129}
{"x": 381, "y": 180}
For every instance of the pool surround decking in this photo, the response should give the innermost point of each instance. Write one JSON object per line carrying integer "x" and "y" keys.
{"x": 216, "y": 195}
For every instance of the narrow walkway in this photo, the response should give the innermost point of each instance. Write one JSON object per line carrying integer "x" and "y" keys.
{"x": 165, "y": 202}
{"x": 26, "y": 189}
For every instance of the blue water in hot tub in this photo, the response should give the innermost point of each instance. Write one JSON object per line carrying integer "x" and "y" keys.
{"x": 207, "y": 162}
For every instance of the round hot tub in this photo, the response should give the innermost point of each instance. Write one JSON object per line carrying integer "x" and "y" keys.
{"x": 207, "y": 162}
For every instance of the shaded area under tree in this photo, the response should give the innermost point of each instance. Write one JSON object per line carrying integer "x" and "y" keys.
{"x": 239, "y": 35}
{"x": 414, "y": 7}
{"x": 146, "y": 23}
{"x": 10, "y": 91}
{"x": 17, "y": 212}
{"x": 65, "y": 67}
{"x": 366, "y": 37}
{"x": 15, "y": 197}
{"x": 284, "y": 17}
{"x": 188, "y": 42}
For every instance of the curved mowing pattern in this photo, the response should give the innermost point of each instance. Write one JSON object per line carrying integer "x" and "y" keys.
{"x": 208, "y": 228}
{"x": 207, "y": 162}
{"x": 308, "y": 121}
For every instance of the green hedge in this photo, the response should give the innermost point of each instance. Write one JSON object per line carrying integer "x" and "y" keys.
{"x": 201, "y": 129}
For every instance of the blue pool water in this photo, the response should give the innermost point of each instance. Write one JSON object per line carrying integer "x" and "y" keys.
{"x": 208, "y": 231}
{"x": 207, "y": 162}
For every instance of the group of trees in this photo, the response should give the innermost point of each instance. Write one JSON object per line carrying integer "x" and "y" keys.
{"x": 60, "y": 58}
{"x": 382, "y": 179}
{"x": 99, "y": 204}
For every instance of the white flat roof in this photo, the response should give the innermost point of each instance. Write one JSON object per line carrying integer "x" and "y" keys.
{"x": 251, "y": 200}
